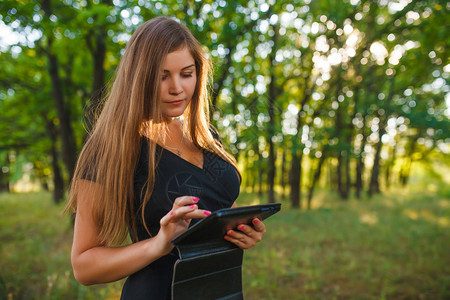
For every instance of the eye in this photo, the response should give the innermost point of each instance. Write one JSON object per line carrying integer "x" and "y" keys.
{"x": 163, "y": 77}
{"x": 187, "y": 75}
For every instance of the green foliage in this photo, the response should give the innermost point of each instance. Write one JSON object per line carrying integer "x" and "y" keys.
{"x": 360, "y": 83}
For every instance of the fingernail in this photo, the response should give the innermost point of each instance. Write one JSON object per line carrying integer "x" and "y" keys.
{"x": 192, "y": 206}
{"x": 207, "y": 212}
{"x": 227, "y": 237}
{"x": 195, "y": 199}
{"x": 230, "y": 232}
{"x": 241, "y": 227}
{"x": 256, "y": 221}
{"x": 171, "y": 213}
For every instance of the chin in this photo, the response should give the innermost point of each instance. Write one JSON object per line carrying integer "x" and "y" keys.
{"x": 173, "y": 114}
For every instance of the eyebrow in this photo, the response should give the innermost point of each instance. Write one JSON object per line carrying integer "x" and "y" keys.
{"x": 187, "y": 67}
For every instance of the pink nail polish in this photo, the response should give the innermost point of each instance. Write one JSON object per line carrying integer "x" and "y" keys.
{"x": 230, "y": 232}
{"x": 207, "y": 213}
{"x": 171, "y": 213}
{"x": 195, "y": 199}
{"x": 241, "y": 227}
{"x": 192, "y": 206}
{"x": 256, "y": 221}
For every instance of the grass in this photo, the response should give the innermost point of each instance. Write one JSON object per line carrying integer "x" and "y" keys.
{"x": 389, "y": 247}
{"x": 393, "y": 246}
{"x": 35, "y": 251}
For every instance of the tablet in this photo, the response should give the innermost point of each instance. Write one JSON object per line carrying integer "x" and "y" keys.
{"x": 219, "y": 222}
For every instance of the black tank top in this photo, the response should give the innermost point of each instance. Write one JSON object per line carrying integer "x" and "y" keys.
{"x": 216, "y": 185}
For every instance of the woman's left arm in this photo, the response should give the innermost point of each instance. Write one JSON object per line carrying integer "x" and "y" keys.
{"x": 246, "y": 236}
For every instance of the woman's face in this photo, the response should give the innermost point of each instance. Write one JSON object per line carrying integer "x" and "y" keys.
{"x": 178, "y": 79}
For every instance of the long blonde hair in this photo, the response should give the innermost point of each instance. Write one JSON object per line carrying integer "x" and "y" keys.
{"x": 132, "y": 108}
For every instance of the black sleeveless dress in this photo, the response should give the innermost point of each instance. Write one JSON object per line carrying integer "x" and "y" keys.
{"x": 216, "y": 185}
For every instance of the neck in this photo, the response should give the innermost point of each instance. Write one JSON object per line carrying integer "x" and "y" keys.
{"x": 169, "y": 120}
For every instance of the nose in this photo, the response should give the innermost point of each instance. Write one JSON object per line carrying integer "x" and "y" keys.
{"x": 175, "y": 87}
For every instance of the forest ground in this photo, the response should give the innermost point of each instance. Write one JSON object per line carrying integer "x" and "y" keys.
{"x": 392, "y": 246}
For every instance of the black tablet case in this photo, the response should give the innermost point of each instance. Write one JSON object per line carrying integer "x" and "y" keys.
{"x": 209, "y": 267}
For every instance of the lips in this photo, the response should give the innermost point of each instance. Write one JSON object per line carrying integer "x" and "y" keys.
{"x": 175, "y": 102}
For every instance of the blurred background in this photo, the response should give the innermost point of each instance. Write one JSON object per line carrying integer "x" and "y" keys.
{"x": 338, "y": 109}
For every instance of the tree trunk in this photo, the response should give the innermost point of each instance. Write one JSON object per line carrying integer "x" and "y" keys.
{"x": 342, "y": 147}
{"x": 295, "y": 179}
{"x": 98, "y": 53}
{"x": 316, "y": 177}
{"x": 272, "y": 94}
{"x": 65, "y": 128}
{"x": 246, "y": 179}
{"x": 330, "y": 173}
{"x": 68, "y": 144}
{"x": 374, "y": 186}
{"x": 348, "y": 179}
{"x": 295, "y": 174}
{"x": 343, "y": 174}
{"x": 58, "y": 191}
{"x": 284, "y": 184}
{"x": 260, "y": 181}
{"x": 254, "y": 176}
{"x": 98, "y": 83}
{"x": 351, "y": 139}
{"x": 389, "y": 166}
{"x": 58, "y": 181}
{"x": 4, "y": 175}
{"x": 271, "y": 173}
{"x": 340, "y": 182}
{"x": 406, "y": 167}
{"x": 360, "y": 169}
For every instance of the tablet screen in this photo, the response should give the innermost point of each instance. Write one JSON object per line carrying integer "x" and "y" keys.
{"x": 219, "y": 222}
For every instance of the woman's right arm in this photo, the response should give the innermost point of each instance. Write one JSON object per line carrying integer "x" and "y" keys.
{"x": 93, "y": 263}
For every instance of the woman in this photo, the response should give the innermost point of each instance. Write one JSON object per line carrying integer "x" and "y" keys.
{"x": 151, "y": 165}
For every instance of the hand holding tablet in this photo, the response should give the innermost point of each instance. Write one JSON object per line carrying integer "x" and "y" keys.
{"x": 216, "y": 225}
